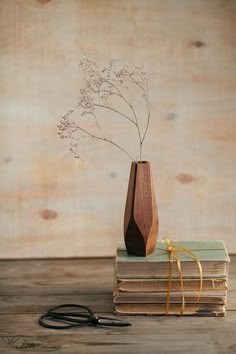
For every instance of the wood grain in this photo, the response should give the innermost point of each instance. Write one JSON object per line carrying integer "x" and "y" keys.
{"x": 51, "y": 282}
{"x": 53, "y": 205}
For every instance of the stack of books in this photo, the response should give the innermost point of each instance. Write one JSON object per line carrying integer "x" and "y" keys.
{"x": 143, "y": 284}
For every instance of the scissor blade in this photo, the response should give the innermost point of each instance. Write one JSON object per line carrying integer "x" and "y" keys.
{"x": 112, "y": 322}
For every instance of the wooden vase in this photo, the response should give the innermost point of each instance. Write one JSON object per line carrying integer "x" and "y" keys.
{"x": 140, "y": 220}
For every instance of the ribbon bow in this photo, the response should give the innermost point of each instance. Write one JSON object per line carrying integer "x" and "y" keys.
{"x": 173, "y": 255}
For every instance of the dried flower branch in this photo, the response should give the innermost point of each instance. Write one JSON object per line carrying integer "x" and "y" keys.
{"x": 101, "y": 86}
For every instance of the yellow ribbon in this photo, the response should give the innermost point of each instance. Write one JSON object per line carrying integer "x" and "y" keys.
{"x": 174, "y": 255}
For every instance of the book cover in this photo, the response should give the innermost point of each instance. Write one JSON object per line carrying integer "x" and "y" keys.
{"x": 204, "y": 250}
{"x": 213, "y": 256}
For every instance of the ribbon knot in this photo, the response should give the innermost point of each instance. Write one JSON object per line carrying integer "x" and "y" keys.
{"x": 173, "y": 255}
{"x": 169, "y": 248}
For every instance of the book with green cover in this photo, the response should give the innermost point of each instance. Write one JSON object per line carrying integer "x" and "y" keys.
{"x": 213, "y": 256}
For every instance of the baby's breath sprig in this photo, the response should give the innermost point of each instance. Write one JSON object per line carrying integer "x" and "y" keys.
{"x": 100, "y": 86}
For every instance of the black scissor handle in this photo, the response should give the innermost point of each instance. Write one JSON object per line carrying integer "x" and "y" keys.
{"x": 68, "y": 317}
{"x": 52, "y": 309}
{"x": 47, "y": 325}
{"x": 90, "y": 317}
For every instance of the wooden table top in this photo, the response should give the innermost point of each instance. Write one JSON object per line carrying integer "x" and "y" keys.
{"x": 29, "y": 287}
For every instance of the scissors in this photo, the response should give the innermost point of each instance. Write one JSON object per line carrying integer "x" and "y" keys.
{"x": 72, "y": 318}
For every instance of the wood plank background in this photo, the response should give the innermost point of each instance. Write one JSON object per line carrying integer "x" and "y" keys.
{"x": 53, "y": 205}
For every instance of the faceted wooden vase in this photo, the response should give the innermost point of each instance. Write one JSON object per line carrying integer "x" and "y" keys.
{"x": 140, "y": 221}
